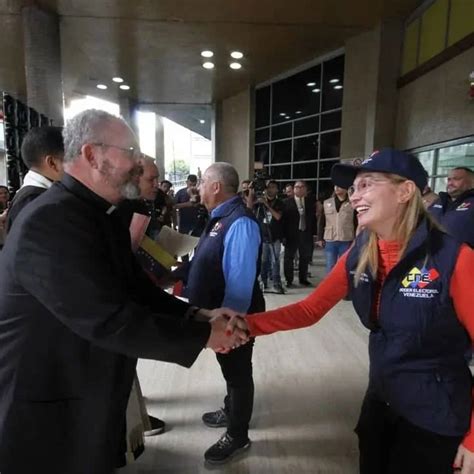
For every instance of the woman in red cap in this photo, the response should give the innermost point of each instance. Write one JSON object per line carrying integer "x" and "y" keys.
{"x": 410, "y": 284}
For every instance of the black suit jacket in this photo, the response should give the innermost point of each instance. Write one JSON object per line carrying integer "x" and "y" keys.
{"x": 291, "y": 218}
{"x": 22, "y": 198}
{"x": 76, "y": 311}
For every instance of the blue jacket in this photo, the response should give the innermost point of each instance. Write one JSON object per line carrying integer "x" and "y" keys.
{"x": 206, "y": 281}
{"x": 417, "y": 344}
{"x": 457, "y": 216}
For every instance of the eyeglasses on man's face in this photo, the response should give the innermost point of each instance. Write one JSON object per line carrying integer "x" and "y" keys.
{"x": 133, "y": 153}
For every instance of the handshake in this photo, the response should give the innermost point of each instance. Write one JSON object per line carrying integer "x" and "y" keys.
{"x": 228, "y": 329}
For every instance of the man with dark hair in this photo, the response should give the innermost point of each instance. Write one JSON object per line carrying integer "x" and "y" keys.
{"x": 454, "y": 209}
{"x": 42, "y": 152}
{"x": 187, "y": 202}
{"x": 299, "y": 227}
{"x": 164, "y": 204}
{"x": 166, "y": 185}
{"x": 269, "y": 210}
{"x": 289, "y": 191}
{"x": 244, "y": 190}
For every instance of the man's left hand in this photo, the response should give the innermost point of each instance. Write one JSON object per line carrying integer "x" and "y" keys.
{"x": 464, "y": 462}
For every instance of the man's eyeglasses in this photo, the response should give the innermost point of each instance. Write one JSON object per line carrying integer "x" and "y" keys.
{"x": 133, "y": 152}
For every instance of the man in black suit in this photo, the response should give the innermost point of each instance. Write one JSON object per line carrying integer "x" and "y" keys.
{"x": 299, "y": 225}
{"x": 76, "y": 311}
{"x": 42, "y": 151}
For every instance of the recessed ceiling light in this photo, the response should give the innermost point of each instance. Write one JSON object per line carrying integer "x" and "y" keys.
{"x": 311, "y": 84}
{"x": 101, "y": 86}
{"x": 338, "y": 87}
{"x": 316, "y": 90}
{"x": 208, "y": 65}
{"x": 298, "y": 112}
{"x": 202, "y": 121}
{"x": 283, "y": 114}
{"x": 235, "y": 65}
{"x": 237, "y": 55}
{"x": 117, "y": 79}
{"x": 287, "y": 117}
{"x": 124, "y": 87}
{"x": 334, "y": 81}
{"x": 207, "y": 54}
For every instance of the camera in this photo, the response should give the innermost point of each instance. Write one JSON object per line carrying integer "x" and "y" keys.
{"x": 259, "y": 181}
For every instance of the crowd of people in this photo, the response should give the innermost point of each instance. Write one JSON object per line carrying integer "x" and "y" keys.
{"x": 77, "y": 310}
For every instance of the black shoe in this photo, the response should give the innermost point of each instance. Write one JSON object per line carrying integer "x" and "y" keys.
{"x": 157, "y": 426}
{"x": 289, "y": 285}
{"x": 305, "y": 283}
{"x": 279, "y": 289}
{"x": 215, "y": 419}
{"x": 226, "y": 448}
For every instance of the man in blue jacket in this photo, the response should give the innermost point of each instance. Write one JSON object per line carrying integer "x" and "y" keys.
{"x": 455, "y": 208}
{"x": 224, "y": 271}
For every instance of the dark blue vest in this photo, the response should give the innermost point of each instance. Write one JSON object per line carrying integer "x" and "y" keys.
{"x": 417, "y": 344}
{"x": 206, "y": 284}
{"x": 458, "y": 217}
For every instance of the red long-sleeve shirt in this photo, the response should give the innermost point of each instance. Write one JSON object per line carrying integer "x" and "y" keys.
{"x": 335, "y": 286}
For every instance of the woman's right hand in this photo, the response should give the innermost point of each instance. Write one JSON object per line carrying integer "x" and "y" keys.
{"x": 237, "y": 322}
{"x": 464, "y": 462}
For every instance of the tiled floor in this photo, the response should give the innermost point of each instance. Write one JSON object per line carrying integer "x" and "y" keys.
{"x": 309, "y": 385}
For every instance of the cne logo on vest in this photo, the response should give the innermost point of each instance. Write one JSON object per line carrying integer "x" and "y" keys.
{"x": 215, "y": 230}
{"x": 415, "y": 283}
{"x": 464, "y": 206}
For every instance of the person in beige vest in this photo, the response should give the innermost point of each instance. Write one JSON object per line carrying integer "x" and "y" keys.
{"x": 336, "y": 226}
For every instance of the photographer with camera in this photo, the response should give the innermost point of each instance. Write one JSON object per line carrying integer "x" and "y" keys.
{"x": 244, "y": 189}
{"x": 187, "y": 202}
{"x": 268, "y": 208}
{"x": 192, "y": 215}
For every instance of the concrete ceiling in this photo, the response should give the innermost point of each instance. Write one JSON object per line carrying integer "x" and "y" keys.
{"x": 155, "y": 45}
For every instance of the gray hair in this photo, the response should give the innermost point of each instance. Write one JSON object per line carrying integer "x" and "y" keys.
{"x": 85, "y": 127}
{"x": 226, "y": 174}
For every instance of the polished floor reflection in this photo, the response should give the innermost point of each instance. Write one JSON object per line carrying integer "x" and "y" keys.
{"x": 309, "y": 386}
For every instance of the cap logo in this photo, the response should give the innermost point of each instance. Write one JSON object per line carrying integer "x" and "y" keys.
{"x": 367, "y": 160}
{"x": 375, "y": 152}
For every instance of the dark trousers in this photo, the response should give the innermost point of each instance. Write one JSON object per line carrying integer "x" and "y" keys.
{"x": 238, "y": 404}
{"x": 304, "y": 244}
{"x": 389, "y": 444}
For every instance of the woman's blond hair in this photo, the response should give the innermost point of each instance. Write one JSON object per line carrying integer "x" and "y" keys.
{"x": 405, "y": 227}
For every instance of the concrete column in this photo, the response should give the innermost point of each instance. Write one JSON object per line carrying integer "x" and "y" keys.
{"x": 43, "y": 62}
{"x": 390, "y": 36}
{"x": 160, "y": 145}
{"x": 128, "y": 110}
{"x": 233, "y": 140}
{"x": 372, "y": 65}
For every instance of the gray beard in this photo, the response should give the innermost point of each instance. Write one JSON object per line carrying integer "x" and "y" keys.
{"x": 130, "y": 191}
